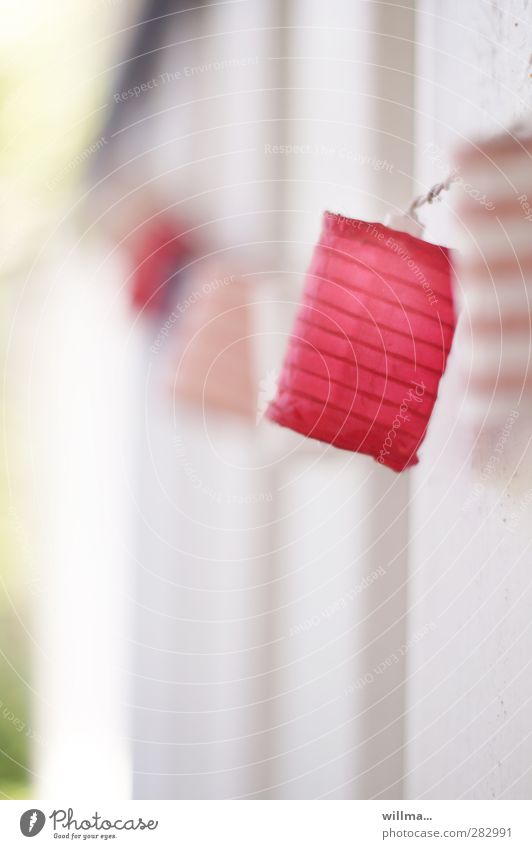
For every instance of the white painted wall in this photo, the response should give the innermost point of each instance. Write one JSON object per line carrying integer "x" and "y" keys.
{"x": 469, "y": 702}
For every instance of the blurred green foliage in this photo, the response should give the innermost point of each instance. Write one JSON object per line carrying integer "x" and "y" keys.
{"x": 15, "y": 728}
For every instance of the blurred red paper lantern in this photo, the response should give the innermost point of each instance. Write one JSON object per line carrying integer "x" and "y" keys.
{"x": 370, "y": 341}
{"x": 215, "y": 371}
{"x": 494, "y": 274}
{"x": 158, "y": 251}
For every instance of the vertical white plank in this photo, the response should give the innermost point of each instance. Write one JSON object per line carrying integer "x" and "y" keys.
{"x": 202, "y": 665}
{"x": 79, "y": 485}
{"x": 347, "y": 147}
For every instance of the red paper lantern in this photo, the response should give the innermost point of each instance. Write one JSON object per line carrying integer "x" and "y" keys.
{"x": 370, "y": 341}
{"x": 215, "y": 370}
{"x": 494, "y": 275}
{"x": 158, "y": 253}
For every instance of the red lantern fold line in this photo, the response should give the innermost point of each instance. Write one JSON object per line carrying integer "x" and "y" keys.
{"x": 370, "y": 342}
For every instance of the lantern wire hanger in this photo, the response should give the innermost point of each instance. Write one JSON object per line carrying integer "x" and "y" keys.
{"x": 408, "y": 221}
{"x": 433, "y": 193}
{"x": 521, "y": 126}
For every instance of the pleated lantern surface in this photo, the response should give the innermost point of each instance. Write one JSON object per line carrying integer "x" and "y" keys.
{"x": 370, "y": 341}
{"x": 215, "y": 370}
{"x": 494, "y": 275}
